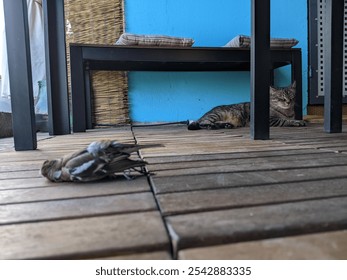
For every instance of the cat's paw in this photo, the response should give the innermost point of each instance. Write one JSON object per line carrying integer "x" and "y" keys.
{"x": 228, "y": 125}
{"x": 193, "y": 126}
{"x": 299, "y": 123}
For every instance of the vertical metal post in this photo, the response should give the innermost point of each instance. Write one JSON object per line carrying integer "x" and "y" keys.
{"x": 56, "y": 69}
{"x": 297, "y": 76}
{"x": 313, "y": 51}
{"x": 19, "y": 63}
{"x": 333, "y": 64}
{"x": 260, "y": 69}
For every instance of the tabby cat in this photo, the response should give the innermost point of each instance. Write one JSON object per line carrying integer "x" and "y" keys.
{"x": 282, "y": 101}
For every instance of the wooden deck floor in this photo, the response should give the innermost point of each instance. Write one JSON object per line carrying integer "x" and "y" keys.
{"x": 211, "y": 195}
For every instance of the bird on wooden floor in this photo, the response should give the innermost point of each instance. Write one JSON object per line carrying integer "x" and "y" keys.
{"x": 99, "y": 160}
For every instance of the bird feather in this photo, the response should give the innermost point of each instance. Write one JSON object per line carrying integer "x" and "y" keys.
{"x": 99, "y": 160}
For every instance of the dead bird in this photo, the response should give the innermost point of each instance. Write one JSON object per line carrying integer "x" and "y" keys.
{"x": 99, "y": 160}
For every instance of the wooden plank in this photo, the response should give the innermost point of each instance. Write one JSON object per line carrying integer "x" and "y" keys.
{"x": 222, "y": 180}
{"x": 254, "y": 223}
{"x": 85, "y": 238}
{"x": 22, "y": 192}
{"x": 75, "y": 208}
{"x": 159, "y": 255}
{"x": 319, "y": 246}
{"x": 260, "y": 161}
{"x": 49, "y": 153}
{"x": 25, "y": 183}
{"x": 225, "y": 156}
{"x": 20, "y": 175}
{"x": 269, "y": 165}
{"x": 21, "y": 166}
{"x": 314, "y": 140}
{"x": 216, "y": 149}
{"x": 217, "y": 199}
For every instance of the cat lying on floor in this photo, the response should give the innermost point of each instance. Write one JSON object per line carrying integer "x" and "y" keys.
{"x": 282, "y": 101}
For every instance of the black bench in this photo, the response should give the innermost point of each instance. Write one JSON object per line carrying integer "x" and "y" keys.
{"x": 84, "y": 58}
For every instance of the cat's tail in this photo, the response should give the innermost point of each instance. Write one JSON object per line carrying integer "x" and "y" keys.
{"x": 193, "y": 125}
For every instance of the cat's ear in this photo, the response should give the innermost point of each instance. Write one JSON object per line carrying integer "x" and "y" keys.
{"x": 293, "y": 85}
{"x": 272, "y": 90}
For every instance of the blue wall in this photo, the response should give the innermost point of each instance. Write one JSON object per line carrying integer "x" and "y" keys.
{"x": 174, "y": 96}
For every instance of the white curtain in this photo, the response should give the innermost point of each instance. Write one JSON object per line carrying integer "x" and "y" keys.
{"x": 35, "y": 18}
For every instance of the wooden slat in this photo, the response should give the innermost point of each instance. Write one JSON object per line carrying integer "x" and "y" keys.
{"x": 53, "y": 191}
{"x": 221, "y": 180}
{"x": 160, "y": 255}
{"x": 260, "y": 161}
{"x": 19, "y": 175}
{"x": 25, "y": 183}
{"x": 319, "y": 246}
{"x": 21, "y": 166}
{"x": 234, "y": 155}
{"x": 84, "y": 238}
{"x": 254, "y": 223}
{"x": 242, "y": 167}
{"x": 207, "y": 200}
{"x": 73, "y": 208}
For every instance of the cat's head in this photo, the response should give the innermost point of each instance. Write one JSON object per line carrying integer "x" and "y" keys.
{"x": 283, "y": 97}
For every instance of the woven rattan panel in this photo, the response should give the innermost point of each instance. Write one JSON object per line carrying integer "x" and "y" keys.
{"x": 100, "y": 22}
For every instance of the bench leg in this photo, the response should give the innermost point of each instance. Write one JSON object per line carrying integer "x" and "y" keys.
{"x": 88, "y": 96}
{"x": 77, "y": 90}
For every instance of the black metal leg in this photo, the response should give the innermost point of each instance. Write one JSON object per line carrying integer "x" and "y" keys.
{"x": 333, "y": 63}
{"x": 19, "y": 63}
{"x": 260, "y": 69}
{"x": 297, "y": 76}
{"x": 57, "y": 92}
{"x": 77, "y": 90}
{"x": 272, "y": 76}
{"x": 88, "y": 97}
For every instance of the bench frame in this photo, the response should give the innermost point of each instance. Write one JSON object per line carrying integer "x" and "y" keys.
{"x": 84, "y": 58}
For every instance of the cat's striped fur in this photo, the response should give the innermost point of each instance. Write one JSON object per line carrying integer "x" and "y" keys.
{"x": 282, "y": 101}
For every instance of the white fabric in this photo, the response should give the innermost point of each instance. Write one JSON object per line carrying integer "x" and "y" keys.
{"x": 35, "y": 18}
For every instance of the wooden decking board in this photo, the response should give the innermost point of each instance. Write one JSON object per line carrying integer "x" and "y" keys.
{"x": 24, "y": 183}
{"x": 233, "y": 155}
{"x": 294, "y": 158}
{"x": 178, "y": 151}
{"x": 268, "y": 165}
{"x": 187, "y": 142}
{"x": 313, "y": 140}
{"x": 20, "y": 166}
{"x": 213, "y": 187}
{"x": 255, "y": 223}
{"x": 221, "y": 180}
{"x": 54, "y": 191}
{"x": 76, "y": 208}
{"x": 159, "y": 255}
{"x": 319, "y": 246}
{"x": 228, "y": 198}
{"x": 85, "y": 238}
{"x": 19, "y": 175}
